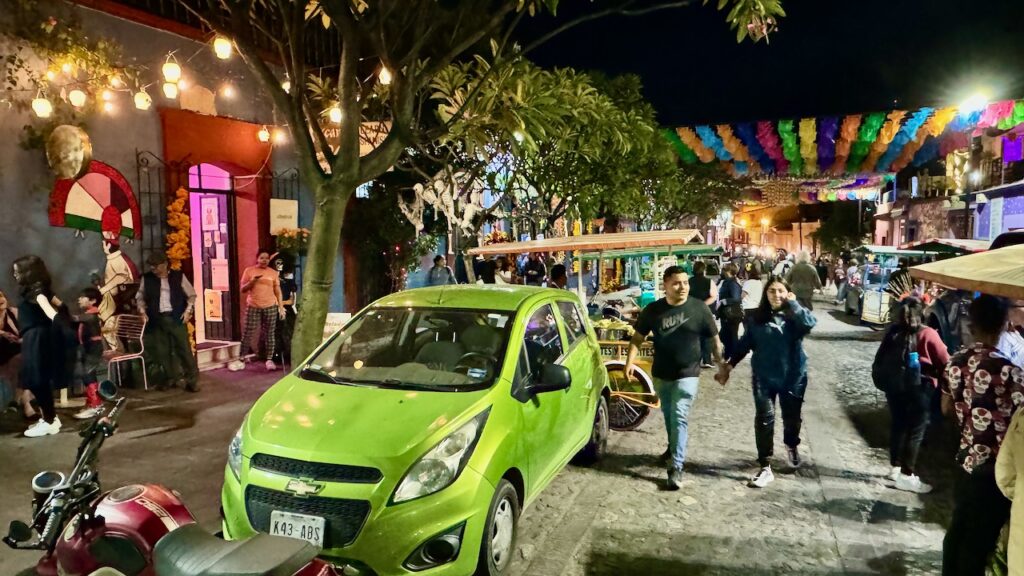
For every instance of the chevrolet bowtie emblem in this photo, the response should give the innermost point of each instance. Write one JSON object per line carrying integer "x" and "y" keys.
{"x": 303, "y": 488}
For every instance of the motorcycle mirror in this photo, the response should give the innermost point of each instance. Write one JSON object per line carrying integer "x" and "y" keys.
{"x": 108, "y": 390}
{"x": 19, "y": 531}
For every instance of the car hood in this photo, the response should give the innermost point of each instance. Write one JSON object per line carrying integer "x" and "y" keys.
{"x": 340, "y": 423}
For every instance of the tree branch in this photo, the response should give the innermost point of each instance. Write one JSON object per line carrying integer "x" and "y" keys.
{"x": 623, "y": 9}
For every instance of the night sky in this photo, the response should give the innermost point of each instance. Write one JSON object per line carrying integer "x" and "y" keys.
{"x": 829, "y": 57}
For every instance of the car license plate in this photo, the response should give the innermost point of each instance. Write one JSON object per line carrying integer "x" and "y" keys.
{"x": 299, "y": 526}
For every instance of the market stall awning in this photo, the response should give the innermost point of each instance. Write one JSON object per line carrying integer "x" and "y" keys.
{"x": 947, "y": 245}
{"x": 889, "y": 250}
{"x": 688, "y": 250}
{"x": 997, "y": 272}
{"x": 593, "y": 242}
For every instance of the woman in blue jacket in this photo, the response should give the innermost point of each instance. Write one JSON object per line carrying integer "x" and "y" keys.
{"x": 779, "y": 365}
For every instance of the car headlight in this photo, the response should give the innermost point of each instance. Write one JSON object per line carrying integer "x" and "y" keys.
{"x": 235, "y": 454}
{"x": 440, "y": 467}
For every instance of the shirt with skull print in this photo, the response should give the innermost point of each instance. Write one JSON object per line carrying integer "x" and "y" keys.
{"x": 986, "y": 390}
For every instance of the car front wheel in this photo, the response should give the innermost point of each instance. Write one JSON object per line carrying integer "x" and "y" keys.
{"x": 499, "y": 538}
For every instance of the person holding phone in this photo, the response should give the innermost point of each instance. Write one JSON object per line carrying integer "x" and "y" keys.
{"x": 262, "y": 286}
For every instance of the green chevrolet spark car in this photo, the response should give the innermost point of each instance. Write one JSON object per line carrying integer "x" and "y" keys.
{"x": 411, "y": 440}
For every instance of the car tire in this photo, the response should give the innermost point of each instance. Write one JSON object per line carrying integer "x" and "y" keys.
{"x": 600, "y": 430}
{"x": 498, "y": 543}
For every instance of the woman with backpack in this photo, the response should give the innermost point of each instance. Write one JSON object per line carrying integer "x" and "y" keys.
{"x": 906, "y": 367}
{"x": 775, "y": 333}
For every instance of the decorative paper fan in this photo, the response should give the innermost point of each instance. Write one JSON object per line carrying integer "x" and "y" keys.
{"x": 100, "y": 201}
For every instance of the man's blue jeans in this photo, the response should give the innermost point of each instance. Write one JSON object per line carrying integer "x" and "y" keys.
{"x": 676, "y": 398}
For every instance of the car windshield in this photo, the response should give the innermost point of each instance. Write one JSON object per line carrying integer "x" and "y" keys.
{"x": 419, "y": 348}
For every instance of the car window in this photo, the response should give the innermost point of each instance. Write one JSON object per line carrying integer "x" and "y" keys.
{"x": 572, "y": 320}
{"x": 542, "y": 343}
{"x": 417, "y": 347}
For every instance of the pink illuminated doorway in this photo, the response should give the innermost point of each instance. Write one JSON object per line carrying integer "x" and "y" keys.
{"x": 214, "y": 253}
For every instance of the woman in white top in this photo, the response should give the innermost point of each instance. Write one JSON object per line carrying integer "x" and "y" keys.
{"x": 504, "y": 273}
{"x": 752, "y": 289}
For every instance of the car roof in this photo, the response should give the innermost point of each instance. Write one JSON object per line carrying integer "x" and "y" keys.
{"x": 508, "y": 297}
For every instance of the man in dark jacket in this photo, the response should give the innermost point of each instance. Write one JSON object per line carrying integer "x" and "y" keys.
{"x": 167, "y": 298}
{"x": 534, "y": 270}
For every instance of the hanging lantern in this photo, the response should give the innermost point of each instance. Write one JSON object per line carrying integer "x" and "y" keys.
{"x": 263, "y": 135}
{"x": 142, "y": 100}
{"x": 42, "y": 107}
{"x": 77, "y": 98}
{"x": 171, "y": 71}
{"x": 222, "y": 47}
{"x": 385, "y": 76}
{"x": 170, "y": 90}
{"x": 286, "y": 86}
{"x": 334, "y": 114}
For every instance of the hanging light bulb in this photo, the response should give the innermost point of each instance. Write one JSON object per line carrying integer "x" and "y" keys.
{"x": 287, "y": 86}
{"x": 42, "y": 107}
{"x": 66, "y": 67}
{"x": 280, "y": 137}
{"x": 384, "y": 76}
{"x": 51, "y": 75}
{"x": 182, "y": 84}
{"x": 108, "y": 107}
{"x": 142, "y": 100}
{"x": 115, "y": 81}
{"x": 107, "y": 95}
{"x": 171, "y": 70}
{"x": 77, "y": 98}
{"x": 170, "y": 90}
{"x": 334, "y": 114}
{"x": 263, "y": 135}
{"x": 222, "y": 47}
{"x": 228, "y": 91}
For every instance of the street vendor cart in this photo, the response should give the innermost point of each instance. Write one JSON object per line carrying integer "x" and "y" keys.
{"x": 631, "y": 400}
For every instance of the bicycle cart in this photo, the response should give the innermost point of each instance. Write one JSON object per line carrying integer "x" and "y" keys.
{"x": 631, "y": 400}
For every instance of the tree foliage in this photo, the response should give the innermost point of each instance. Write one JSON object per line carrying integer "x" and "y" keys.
{"x": 842, "y": 230}
{"x": 416, "y": 41}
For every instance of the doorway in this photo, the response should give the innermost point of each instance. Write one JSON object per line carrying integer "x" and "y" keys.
{"x": 214, "y": 254}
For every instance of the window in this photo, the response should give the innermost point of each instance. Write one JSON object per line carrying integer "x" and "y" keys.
{"x": 574, "y": 328}
{"x": 542, "y": 344}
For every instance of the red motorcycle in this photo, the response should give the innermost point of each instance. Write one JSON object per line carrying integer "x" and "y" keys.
{"x": 139, "y": 530}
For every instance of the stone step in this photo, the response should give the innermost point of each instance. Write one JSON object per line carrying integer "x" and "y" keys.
{"x": 213, "y": 355}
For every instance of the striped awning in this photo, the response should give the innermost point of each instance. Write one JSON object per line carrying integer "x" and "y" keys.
{"x": 594, "y": 242}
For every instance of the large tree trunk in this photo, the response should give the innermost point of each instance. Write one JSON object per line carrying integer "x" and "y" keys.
{"x": 318, "y": 277}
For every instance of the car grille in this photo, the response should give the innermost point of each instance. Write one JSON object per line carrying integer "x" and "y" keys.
{"x": 316, "y": 470}
{"x": 343, "y": 518}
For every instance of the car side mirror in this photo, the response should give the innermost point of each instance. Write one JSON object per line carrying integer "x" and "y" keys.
{"x": 553, "y": 377}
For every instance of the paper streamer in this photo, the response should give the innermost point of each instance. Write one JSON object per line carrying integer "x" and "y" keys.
{"x": 827, "y": 129}
{"x": 847, "y": 136}
{"x": 932, "y": 128}
{"x": 869, "y": 129}
{"x": 732, "y": 144}
{"x": 927, "y": 153}
{"x": 952, "y": 141}
{"x": 809, "y": 145}
{"x": 712, "y": 141}
{"x": 790, "y": 147}
{"x": 681, "y": 149}
{"x": 995, "y": 112}
{"x": 1016, "y": 118}
{"x": 769, "y": 140}
{"x": 906, "y": 134}
{"x": 693, "y": 142}
{"x": 885, "y": 137}
{"x": 748, "y": 135}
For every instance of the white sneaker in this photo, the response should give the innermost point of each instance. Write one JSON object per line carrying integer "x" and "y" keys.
{"x": 88, "y": 413}
{"x": 271, "y": 366}
{"x": 894, "y": 474}
{"x": 42, "y": 428}
{"x": 236, "y": 366}
{"x": 912, "y": 483}
{"x": 763, "y": 478}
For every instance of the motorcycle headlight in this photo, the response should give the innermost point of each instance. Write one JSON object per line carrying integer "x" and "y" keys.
{"x": 437, "y": 469}
{"x": 235, "y": 454}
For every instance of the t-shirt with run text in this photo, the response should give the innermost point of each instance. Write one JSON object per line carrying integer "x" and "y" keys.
{"x": 677, "y": 333}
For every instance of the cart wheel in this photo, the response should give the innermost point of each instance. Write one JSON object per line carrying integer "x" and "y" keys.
{"x": 625, "y": 413}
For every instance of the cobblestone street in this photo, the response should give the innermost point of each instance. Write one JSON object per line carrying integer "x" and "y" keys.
{"x": 836, "y": 515}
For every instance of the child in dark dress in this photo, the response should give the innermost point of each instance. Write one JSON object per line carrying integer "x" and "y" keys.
{"x": 90, "y": 352}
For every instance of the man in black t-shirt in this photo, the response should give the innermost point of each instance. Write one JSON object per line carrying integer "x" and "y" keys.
{"x": 678, "y": 322}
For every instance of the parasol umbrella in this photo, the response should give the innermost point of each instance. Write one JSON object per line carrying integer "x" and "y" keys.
{"x": 996, "y": 272}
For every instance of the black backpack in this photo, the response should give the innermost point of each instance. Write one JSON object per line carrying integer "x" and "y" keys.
{"x": 891, "y": 370}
